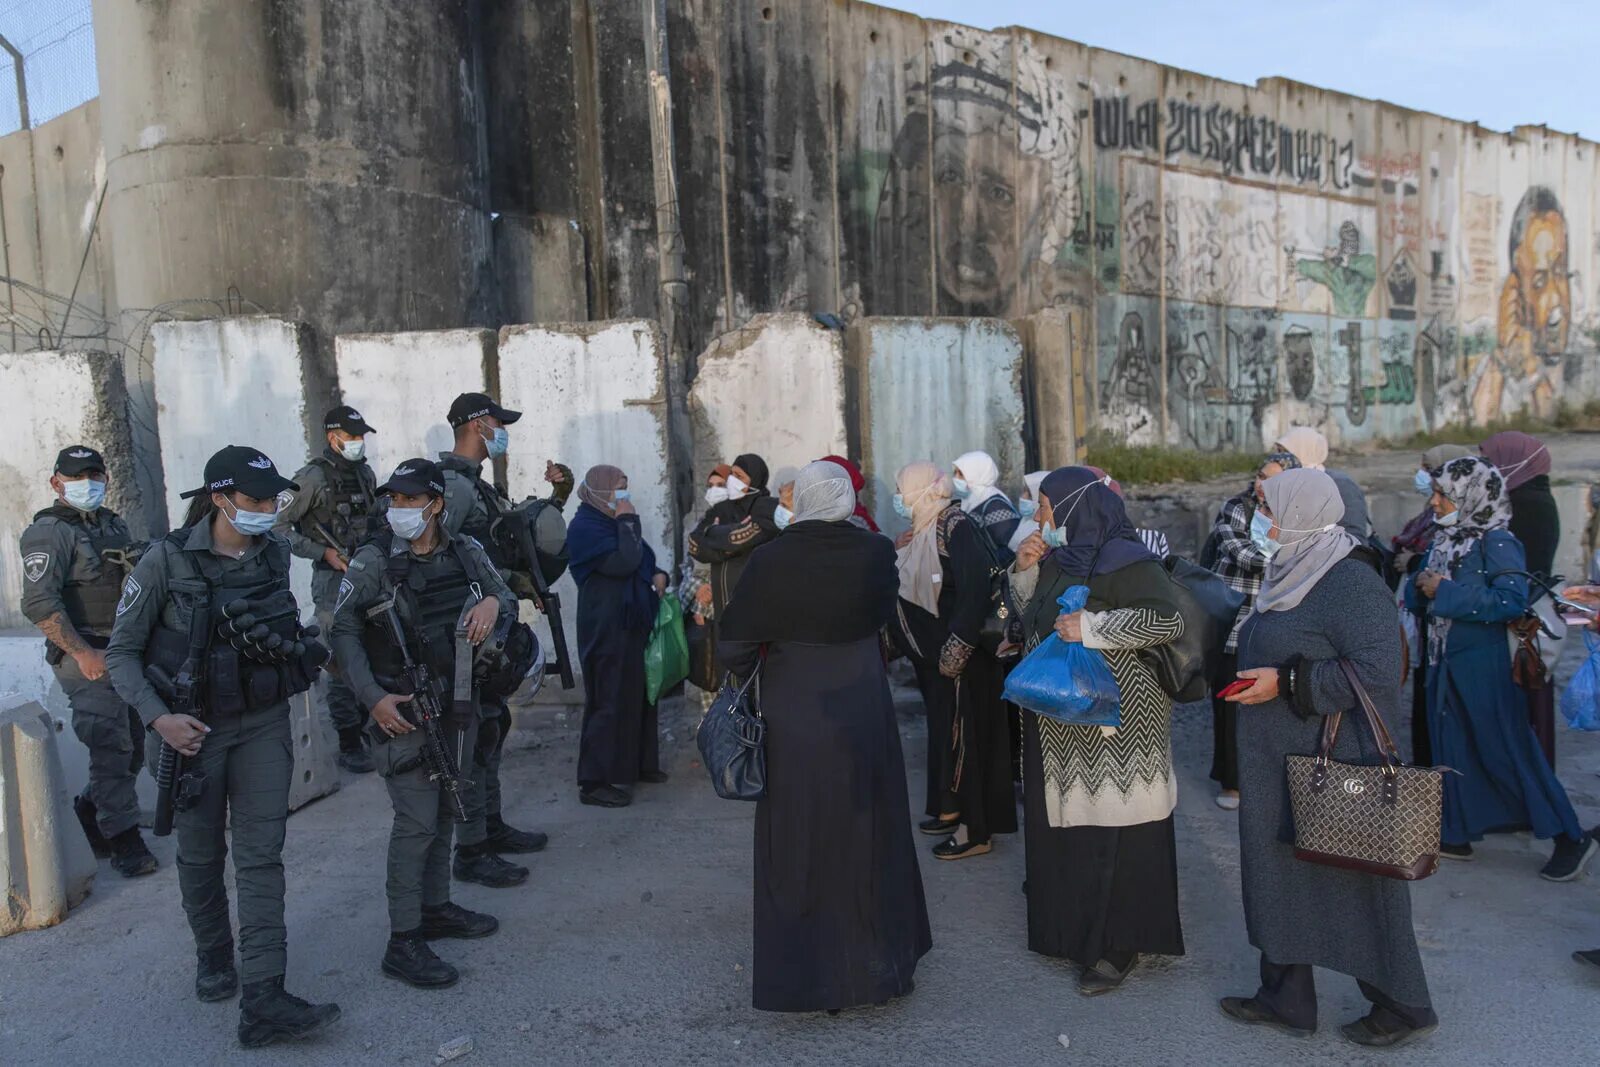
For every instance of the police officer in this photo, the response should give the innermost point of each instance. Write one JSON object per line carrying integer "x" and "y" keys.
{"x": 326, "y": 520}
{"x": 429, "y": 576}
{"x": 471, "y": 505}
{"x": 74, "y": 557}
{"x": 181, "y": 608}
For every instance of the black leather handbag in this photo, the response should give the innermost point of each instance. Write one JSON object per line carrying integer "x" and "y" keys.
{"x": 1186, "y": 668}
{"x": 1002, "y": 626}
{"x": 732, "y": 740}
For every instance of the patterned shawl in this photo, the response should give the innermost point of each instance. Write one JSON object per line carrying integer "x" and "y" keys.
{"x": 1478, "y": 491}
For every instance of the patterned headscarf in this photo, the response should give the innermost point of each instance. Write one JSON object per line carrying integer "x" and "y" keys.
{"x": 1478, "y": 491}
{"x": 924, "y": 487}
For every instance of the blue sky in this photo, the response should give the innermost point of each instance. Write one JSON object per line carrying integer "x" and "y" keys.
{"x": 1501, "y": 64}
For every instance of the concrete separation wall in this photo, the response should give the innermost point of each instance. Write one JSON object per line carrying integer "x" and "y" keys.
{"x": 404, "y": 382}
{"x": 55, "y": 399}
{"x": 591, "y": 393}
{"x": 776, "y": 387}
{"x": 242, "y": 381}
{"x": 933, "y": 389}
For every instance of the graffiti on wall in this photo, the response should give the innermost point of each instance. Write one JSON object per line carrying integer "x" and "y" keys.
{"x": 1215, "y": 240}
{"x": 1241, "y": 143}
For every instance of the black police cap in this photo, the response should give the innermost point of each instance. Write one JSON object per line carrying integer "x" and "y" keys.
{"x": 414, "y": 477}
{"x": 79, "y": 459}
{"x": 469, "y": 406}
{"x": 348, "y": 419}
{"x": 242, "y": 468}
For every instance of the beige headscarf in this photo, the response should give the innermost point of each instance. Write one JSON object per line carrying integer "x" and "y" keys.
{"x": 1306, "y": 445}
{"x": 1439, "y": 455}
{"x": 599, "y": 487}
{"x": 924, "y": 487}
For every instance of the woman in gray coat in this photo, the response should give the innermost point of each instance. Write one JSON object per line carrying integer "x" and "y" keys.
{"x": 1315, "y": 608}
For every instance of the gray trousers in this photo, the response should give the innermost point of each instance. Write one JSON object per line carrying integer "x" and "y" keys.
{"x": 344, "y": 710}
{"x": 483, "y": 801}
{"x": 247, "y": 760}
{"x": 424, "y": 820}
{"x": 111, "y": 730}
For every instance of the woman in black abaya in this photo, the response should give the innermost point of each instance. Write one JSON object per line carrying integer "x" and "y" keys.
{"x": 840, "y": 918}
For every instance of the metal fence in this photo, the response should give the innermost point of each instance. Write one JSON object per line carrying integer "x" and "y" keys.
{"x": 51, "y": 42}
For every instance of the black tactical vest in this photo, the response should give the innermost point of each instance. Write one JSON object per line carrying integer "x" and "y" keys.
{"x": 430, "y": 598}
{"x": 198, "y": 583}
{"x": 92, "y": 605}
{"x": 347, "y": 506}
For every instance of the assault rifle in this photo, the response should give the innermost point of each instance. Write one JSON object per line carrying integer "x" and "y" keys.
{"x": 179, "y": 788}
{"x": 516, "y": 520}
{"x": 440, "y": 759}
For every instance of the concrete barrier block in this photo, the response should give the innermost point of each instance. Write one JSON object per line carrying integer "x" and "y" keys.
{"x": 591, "y": 393}
{"x": 1056, "y": 343}
{"x": 776, "y": 387}
{"x": 244, "y": 381}
{"x": 60, "y": 398}
{"x": 932, "y": 389}
{"x": 404, "y": 382}
{"x": 46, "y": 867}
{"x": 315, "y": 744}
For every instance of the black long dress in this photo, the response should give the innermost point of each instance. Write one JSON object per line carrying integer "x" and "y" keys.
{"x": 840, "y": 917}
{"x": 969, "y": 738}
{"x": 619, "y": 740}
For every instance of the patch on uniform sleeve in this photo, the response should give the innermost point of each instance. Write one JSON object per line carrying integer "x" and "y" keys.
{"x": 285, "y": 498}
{"x": 35, "y": 565}
{"x": 130, "y": 595}
{"x": 346, "y": 587}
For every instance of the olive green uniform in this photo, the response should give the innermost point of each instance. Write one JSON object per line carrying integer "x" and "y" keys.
{"x": 73, "y": 564}
{"x": 336, "y": 500}
{"x": 247, "y": 758}
{"x": 436, "y": 588}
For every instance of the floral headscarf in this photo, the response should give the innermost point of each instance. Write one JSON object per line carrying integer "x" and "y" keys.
{"x": 1478, "y": 491}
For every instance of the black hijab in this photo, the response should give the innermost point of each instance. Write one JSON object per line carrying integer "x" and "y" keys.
{"x": 756, "y": 503}
{"x": 821, "y": 583}
{"x": 1100, "y": 539}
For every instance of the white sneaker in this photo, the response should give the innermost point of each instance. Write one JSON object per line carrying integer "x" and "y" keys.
{"x": 1228, "y": 801}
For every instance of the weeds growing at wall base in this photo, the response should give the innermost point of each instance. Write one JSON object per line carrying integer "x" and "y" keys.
{"x": 1155, "y": 464}
{"x": 1568, "y": 419}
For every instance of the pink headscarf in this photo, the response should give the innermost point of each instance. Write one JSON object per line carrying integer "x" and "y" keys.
{"x": 1519, "y": 457}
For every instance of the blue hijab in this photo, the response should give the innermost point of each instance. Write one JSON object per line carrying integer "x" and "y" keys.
{"x": 591, "y": 537}
{"x": 1100, "y": 539}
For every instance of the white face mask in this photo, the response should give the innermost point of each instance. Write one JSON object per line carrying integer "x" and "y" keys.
{"x": 408, "y": 523}
{"x": 716, "y": 494}
{"x": 353, "y": 450}
{"x": 85, "y": 494}
{"x": 736, "y": 487}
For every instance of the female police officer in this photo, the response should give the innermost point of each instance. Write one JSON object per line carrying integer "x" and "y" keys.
{"x": 421, "y": 580}
{"x": 210, "y": 604}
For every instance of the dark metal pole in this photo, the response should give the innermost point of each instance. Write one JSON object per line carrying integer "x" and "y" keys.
{"x": 22, "y": 81}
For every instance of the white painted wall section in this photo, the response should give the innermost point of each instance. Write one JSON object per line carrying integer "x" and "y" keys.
{"x": 775, "y": 387}
{"x": 590, "y": 393}
{"x": 931, "y": 390}
{"x": 403, "y": 383}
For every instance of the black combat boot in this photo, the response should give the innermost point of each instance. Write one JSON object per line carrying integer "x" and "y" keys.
{"x": 452, "y": 920}
{"x": 130, "y": 856}
{"x": 475, "y": 863}
{"x": 410, "y": 959}
{"x": 91, "y": 828}
{"x": 503, "y": 838}
{"x": 267, "y": 1014}
{"x": 353, "y": 754}
{"x": 214, "y": 975}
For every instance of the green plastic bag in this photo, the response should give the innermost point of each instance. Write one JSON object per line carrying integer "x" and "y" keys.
{"x": 666, "y": 657}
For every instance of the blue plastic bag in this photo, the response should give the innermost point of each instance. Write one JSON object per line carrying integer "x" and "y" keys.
{"x": 1065, "y": 681}
{"x": 1580, "y": 702}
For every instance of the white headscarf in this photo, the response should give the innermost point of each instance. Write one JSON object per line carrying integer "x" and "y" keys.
{"x": 981, "y": 473}
{"x": 823, "y": 492}
{"x": 1306, "y": 508}
{"x": 926, "y": 490}
{"x": 1027, "y": 527}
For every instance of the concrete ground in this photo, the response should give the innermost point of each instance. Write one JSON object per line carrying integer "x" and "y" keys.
{"x": 631, "y": 944}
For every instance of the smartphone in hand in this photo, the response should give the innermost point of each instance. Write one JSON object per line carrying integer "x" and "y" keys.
{"x": 1234, "y": 688}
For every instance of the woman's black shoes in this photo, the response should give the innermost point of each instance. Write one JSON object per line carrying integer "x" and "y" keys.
{"x": 1252, "y": 1012}
{"x": 1104, "y": 976}
{"x": 939, "y": 827}
{"x": 954, "y": 850}
{"x": 1590, "y": 956}
{"x": 605, "y": 796}
{"x": 1381, "y": 1030}
{"x": 654, "y": 777}
{"x": 1455, "y": 852}
{"x": 1571, "y": 856}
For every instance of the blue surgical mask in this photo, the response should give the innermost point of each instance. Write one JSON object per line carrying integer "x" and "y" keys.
{"x": 1054, "y": 536}
{"x": 251, "y": 523}
{"x": 961, "y": 487}
{"x": 1260, "y": 534}
{"x": 901, "y": 508}
{"x": 498, "y": 443}
{"x": 1423, "y": 482}
{"x": 353, "y": 450}
{"x": 618, "y": 496}
{"x": 1026, "y": 508}
{"x": 1447, "y": 520}
{"x": 85, "y": 494}
{"x": 408, "y": 523}
{"x": 783, "y": 517}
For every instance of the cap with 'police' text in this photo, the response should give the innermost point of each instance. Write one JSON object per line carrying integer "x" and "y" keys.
{"x": 348, "y": 419}
{"x": 469, "y": 406}
{"x": 414, "y": 477}
{"x": 242, "y": 468}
